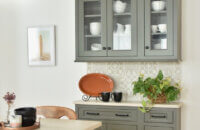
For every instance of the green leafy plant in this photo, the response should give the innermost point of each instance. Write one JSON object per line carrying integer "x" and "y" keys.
{"x": 156, "y": 90}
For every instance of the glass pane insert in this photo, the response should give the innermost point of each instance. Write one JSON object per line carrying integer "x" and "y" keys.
{"x": 158, "y": 25}
{"x": 122, "y": 25}
{"x": 92, "y": 25}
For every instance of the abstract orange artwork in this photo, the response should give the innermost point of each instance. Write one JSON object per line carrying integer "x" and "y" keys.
{"x": 41, "y": 45}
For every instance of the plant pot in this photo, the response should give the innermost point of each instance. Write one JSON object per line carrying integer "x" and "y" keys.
{"x": 160, "y": 99}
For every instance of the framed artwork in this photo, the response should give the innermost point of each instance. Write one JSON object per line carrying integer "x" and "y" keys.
{"x": 41, "y": 45}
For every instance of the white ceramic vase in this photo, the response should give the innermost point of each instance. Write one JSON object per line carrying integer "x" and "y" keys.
{"x": 95, "y": 28}
{"x": 162, "y": 28}
{"x": 158, "y": 5}
{"x": 119, "y": 6}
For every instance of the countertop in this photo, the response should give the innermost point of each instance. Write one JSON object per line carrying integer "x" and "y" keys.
{"x": 133, "y": 104}
{"x": 62, "y": 124}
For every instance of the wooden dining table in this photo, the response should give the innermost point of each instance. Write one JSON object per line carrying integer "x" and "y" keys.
{"x": 62, "y": 124}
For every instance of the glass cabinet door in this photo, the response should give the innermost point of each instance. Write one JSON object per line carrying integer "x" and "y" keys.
{"x": 122, "y": 27}
{"x": 158, "y": 27}
{"x": 92, "y": 27}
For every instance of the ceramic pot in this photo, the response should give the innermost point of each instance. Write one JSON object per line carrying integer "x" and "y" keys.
{"x": 105, "y": 96}
{"x": 117, "y": 96}
{"x": 162, "y": 28}
{"x": 154, "y": 28}
{"x": 158, "y": 5}
{"x": 95, "y": 28}
{"x": 119, "y": 6}
{"x": 28, "y": 115}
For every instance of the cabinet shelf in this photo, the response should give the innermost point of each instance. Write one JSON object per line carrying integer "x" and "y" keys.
{"x": 158, "y": 34}
{"x": 93, "y": 36}
{"x": 122, "y": 14}
{"x": 92, "y": 15}
{"x": 159, "y": 12}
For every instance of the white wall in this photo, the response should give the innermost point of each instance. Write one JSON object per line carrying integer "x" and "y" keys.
{"x": 191, "y": 64}
{"x": 38, "y": 85}
{"x": 58, "y": 85}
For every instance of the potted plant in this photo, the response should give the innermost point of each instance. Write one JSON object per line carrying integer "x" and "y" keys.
{"x": 156, "y": 90}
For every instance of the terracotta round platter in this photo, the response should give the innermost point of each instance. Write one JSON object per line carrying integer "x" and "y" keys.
{"x": 95, "y": 83}
{"x": 35, "y": 126}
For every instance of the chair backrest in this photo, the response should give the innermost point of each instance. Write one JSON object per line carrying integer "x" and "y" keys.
{"x": 56, "y": 112}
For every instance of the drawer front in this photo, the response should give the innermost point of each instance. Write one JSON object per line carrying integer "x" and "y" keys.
{"x": 159, "y": 116}
{"x": 108, "y": 114}
{"x": 158, "y": 128}
{"x": 121, "y": 127}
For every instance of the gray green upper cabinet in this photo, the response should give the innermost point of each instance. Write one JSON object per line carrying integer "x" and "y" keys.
{"x": 128, "y": 30}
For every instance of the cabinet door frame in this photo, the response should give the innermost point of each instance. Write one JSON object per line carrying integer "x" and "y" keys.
{"x": 170, "y": 33}
{"x": 80, "y": 32}
{"x": 134, "y": 31}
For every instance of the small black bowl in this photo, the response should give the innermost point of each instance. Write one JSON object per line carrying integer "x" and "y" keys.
{"x": 28, "y": 115}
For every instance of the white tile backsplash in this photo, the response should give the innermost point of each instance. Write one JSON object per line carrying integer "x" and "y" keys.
{"x": 124, "y": 73}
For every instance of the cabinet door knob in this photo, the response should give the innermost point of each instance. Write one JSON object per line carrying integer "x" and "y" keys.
{"x": 147, "y": 47}
{"x": 109, "y": 48}
{"x": 104, "y": 48}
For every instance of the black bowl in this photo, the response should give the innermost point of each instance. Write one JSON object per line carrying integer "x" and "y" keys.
{"x": 28, "y": 115}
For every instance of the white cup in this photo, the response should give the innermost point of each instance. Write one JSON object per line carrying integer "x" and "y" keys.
{"x": 16, "y": 121}
{"x": 162, "y": 28}
{"x": 154, "y": 28}
{"x": 95, "y": 28}
{"x": 164, "y": 43}
{"x": 119, "y": 6}
{"x": 158, "y": 5}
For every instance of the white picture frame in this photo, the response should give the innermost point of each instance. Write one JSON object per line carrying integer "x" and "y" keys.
{"x": 41, "y": 46}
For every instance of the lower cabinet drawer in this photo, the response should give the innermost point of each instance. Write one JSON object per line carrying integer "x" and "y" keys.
{"x": 157, "y": 128}
{"x": 159, "y": 116}
{"x": 108, "y": 114}
{"x": 121, "y": 127}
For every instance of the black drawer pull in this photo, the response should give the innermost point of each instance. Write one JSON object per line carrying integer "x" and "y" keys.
{"x": 122, "y": 115}
{"x": 158, "y": 116}
{"x": 94, "y": 114}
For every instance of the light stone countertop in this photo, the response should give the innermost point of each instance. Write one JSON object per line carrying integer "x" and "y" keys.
{"x": 63, "y": 124}
{"x": 131, "y": 104}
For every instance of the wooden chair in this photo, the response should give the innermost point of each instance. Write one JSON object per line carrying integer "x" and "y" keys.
{"x": 56, "y": 112}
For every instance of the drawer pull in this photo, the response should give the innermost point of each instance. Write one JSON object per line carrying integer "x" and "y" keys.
{"x": 94, "y": 114}
{"x": 122, "y": 115}
{"x": 153, "y": 116}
